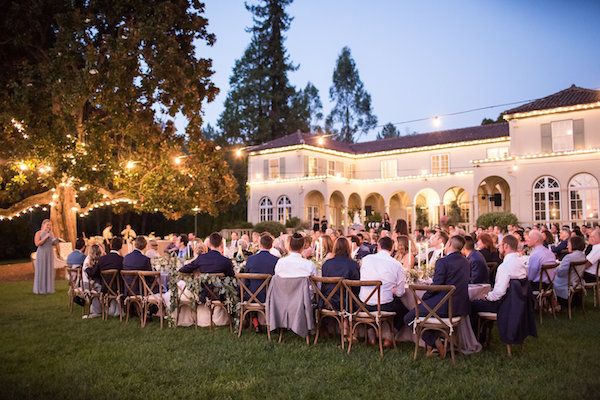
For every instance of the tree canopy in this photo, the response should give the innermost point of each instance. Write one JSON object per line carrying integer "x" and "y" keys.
{"x": 388, "y": 131}
{"x": 352, "y": 113}
{"x": 88, "y": 93}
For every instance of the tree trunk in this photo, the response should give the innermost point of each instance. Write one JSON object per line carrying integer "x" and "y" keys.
{"x": 63, "y": 218}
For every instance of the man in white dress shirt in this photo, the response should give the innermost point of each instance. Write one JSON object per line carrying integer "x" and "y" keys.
{"x": 294, "y": 265}
{"x": 511, "y": 268}
{"x": 594, "y": 256}
{"x": 381, "y": 266}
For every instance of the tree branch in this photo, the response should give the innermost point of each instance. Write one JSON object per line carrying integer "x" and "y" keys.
{"x": 40, "y": 198}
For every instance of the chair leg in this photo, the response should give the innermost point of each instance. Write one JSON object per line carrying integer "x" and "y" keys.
{"x": 509, "y": 350}
{"x": 280, "y": 334}
{"x": 318, "y": 329}
{"x": 417, "y": 341}
{"x": 380, "y": 339}
{"x": 127, "y": 307}
{"x": 242, "y": 315}
{"x": 341, "y": 327}
{"x": 351, "y": 330}
{"x": 449, "y": 341}
{"x": 308, "y": 339}
{"x": 541, "y": 308}
{"x": 391, "y": 324}
{"x": 569, "y": 304}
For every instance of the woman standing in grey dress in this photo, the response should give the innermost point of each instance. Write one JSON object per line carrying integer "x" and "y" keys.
{"x": 43, "y": 279}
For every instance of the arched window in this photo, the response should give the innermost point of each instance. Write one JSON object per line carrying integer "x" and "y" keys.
{"x": 266, "y": 209}
{"x": 284, "y": 209}
{"x": 546, "y": 199}
{"x": 583, "y": 196}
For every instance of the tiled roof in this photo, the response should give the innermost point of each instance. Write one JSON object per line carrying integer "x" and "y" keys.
{"x": 490, "y": 131}
{"x": 571, "y": 96}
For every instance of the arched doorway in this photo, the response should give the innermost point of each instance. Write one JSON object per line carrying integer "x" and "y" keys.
{"x": 427, "y": 203}
{"x": 354, "y": 208}
{"x": 493, "y": 194}
{"x": 457, "y": 206}
{"x": 336, "y": 210}
{"x": 314, "y": 205}
{"x": 400, "y": 208}
{"x": 374, "y": 203}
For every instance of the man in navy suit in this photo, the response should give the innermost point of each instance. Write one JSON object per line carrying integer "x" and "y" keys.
{"x": 213, "y": 262}
{"x": 262, "y": 262}
{"x": 479, "y": 269}
{"x": 112, "y": 260}
{"x": 136, "y": 260}
{"x": 454, "y": 269}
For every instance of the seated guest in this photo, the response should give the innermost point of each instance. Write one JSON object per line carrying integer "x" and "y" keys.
{"x": 561, "y": 248}
{"x": 89, "y": 283}
{"x": 575, "y": 247}
{"x": 112, "y": 260}
{"x": 340, "y": 265}
{"x": 381, "y": 266}
{"x": 173, "y": 247}
{"x": 212, "y": 262}
{"x": 263, "y": 262}
{"x": 293, "y": 265}
{"x": 152, "y": 252}
{"x": 539, "y": 255}
{"x": 327, "y": 247}
{"x": 364, "y": 247}
{"x": 402, "y": 245}
{"x": 183, "y": 250}
{"x": 511, "y": 268}
{"x": 77, "y": 256}
{"x": 136, "y": 260}
{"x": 437, "y": 242}
{"x": 454, "y": 269}
{"x": 593, "y": 256}
{"x": 548, "y": 238}
{"x": 485, "y": 245}
{"x": 479, "y": 270}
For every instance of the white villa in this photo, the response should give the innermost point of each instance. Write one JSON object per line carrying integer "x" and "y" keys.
{"x": 542, "y": 164}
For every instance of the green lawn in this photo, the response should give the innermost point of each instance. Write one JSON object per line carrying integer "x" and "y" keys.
{"x": 45, "y": 352}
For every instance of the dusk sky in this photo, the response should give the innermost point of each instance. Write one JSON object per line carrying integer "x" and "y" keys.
{"x": 420, "y": 59}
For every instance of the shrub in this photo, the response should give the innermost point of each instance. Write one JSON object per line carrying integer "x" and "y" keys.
{"x": 243, "y": 225}
{"x": 293, "y": 222}
{"x": 374, "y": 217}
{"x": 502, "y": 219}
{"x": 273, "y": 227}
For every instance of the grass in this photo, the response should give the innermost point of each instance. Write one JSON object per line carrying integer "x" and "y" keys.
{"x": 46, "y": 352}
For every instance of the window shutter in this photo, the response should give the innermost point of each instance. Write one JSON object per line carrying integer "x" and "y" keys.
{"x": 306, "y": 171}
{"x": 546, "y": 138}
{"x": 339, "y": 168}
{"x": 282, "y": 168}
{"x": 265, "y": 169}
{"x": 321, "y": 166}
{"x": 578, "y": 135}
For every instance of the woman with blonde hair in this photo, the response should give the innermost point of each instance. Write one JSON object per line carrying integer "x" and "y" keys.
{"x": 44, "y": 274}
{"x": 402, "y": 254}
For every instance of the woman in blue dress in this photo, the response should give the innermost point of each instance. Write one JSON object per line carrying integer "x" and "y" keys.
{"x": 43, "y": 279}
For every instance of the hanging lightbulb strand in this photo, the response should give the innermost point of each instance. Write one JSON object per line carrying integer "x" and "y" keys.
{"x": 86, "y": 211}
{"x": 21, "y": 212}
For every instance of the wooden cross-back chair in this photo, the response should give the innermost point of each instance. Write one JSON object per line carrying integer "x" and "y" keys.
{"x": 133, "y": 294}
{"x": 492, "y": 268}
{"x": 432, "y": 320}
{"x": 576, "y": 284}
{"x": 213, "y": 300}
{"x": 358, "y": 313}
{"x": 75, "y": 285}
{"x": 152, "y": 290}
{"x": 111, "y": 282}
{"x": 325, "y": 308}
{"x": 595, "y": 286}
{"x": 546, "y": 297}
{"x": 252, "y": 304}
{"x": 186, "y": 298}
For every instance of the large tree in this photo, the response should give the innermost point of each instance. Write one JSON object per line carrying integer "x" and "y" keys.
{"x": 260, "y": 104}
{"x": 352, "y": 112}
{"x": 388, "y": 131}
{"x": 87, "y": 92}
{"x": 307, "y": 104}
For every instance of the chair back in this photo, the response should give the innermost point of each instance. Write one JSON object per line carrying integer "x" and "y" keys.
{"x": 492, "y": 268}
{"x": 545, "y": 271}
{"x": 576, "y": 281}
{"x": 75, "y": 278}
{"x": 355, "y": 304}
{"x": 323, "y": 301}
{"x": 150, "y": 282}
{"x": 207, "y": 288}
{"x": 131, "y": 281}
{"x": 432, "y": 312}
{"x": 111, "y": 281}
{"x": 242, "y": 278}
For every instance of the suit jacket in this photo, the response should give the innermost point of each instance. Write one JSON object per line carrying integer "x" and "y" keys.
{"x": 479, "y": 269}
{"x": 136, "y": 261}
{"x": 516, "y": 317}
{"x": 560, "y": 249}
{"x": 212, "y": 262}
{"x": 342, "y": 267}
{"x": 262, "y": 262}
{"x": 454, "y": 269}
{"x": 491, "y": 256}
{"x": 106, "y": 262}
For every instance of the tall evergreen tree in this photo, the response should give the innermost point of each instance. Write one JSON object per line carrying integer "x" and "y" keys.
{"x": 352, "y": 113}
{"x": 259, "y": 106}
{"x": 308, "y": 108}
{"x": 388, "y": 131}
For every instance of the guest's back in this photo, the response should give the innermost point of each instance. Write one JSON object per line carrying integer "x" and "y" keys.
{"x": 262, "y": 262}
{"x": 212, "y": 262}
{"x": 454, "y": 269}
{"x": 561, "y": 286}
{"x": 339, "y": 267}
{"x": 136, "y": 261}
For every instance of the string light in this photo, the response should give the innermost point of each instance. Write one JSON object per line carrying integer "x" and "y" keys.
{"x": 21, "y": 212}
{"x": 23, "y": 167}
{"x": 577, "y": 107}
{"x": 130, "y": 164}
{"x": 534, "y": 156}
{"x": 436, "y": 122}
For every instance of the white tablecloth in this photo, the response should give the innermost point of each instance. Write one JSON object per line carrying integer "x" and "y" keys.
{"x": 468, "y": 343}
